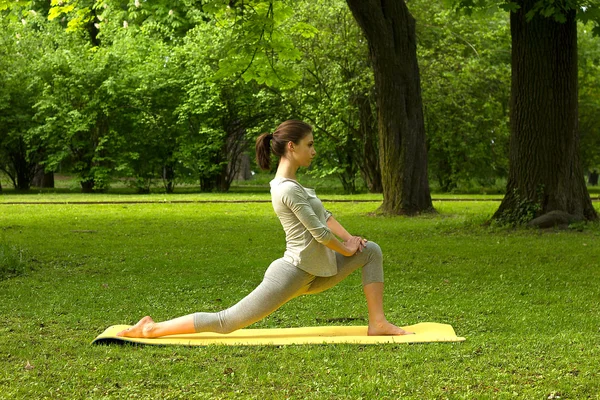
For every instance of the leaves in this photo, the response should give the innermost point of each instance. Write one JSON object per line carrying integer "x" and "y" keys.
{"x": 510, "y": 6}
{"x": 163, "y": 93}
{"x": 465, "y": 70}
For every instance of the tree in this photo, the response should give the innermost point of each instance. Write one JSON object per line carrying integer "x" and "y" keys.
{"x": 545, "y": 171}
{"x": 465, "y": 69}
{"x": 589, "y": 99}
{"x": 216, "y": 110}
{"x": 80, "y": 95}
{"x": 111, "y": 109}
{"x": 335, "y": 93}
{"x": 390, "y": 31}
{"x": 260, "y": 52}
{"x": 21, "y": 46}
{"x": 151, "y": 88}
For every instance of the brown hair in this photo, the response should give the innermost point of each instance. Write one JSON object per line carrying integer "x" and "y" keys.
{"x": 289, "y": 131}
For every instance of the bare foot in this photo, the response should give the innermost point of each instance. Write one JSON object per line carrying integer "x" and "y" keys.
{"x": 143, "y": 329}
{"x": 386, "y": 329}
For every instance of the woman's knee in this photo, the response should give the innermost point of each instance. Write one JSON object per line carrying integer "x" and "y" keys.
{"x": 228, "y": 329}
{"x": 374, "y": 250}
{"x": 373, "y": 269}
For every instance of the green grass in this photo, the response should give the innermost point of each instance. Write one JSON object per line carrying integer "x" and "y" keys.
{"x": 527, "y": 302}
{"x": 66, "y": 191}
{"x": 12, "y": 261}
{"x": 257, "y": 189}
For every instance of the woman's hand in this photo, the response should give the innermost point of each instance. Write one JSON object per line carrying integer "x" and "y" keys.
{"x": 354, "y": 245}
{"x": 363, "y": 243}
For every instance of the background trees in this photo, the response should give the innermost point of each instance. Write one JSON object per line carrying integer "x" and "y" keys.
{"x": 21, "y": 51}
{"x": 169, "y": 93}
{"x": 389, "y": 29}
{"x": 589, "y": 101}
{"x": 465, "y": 69}
{"x": 336, "y": 94}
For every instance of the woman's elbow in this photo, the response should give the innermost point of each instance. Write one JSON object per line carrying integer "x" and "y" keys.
{"x": 324, "y": 238}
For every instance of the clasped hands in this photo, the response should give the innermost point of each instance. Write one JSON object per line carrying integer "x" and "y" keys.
{"x": 355, "y": 244}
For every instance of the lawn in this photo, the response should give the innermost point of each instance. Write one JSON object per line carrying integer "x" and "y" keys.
{"x": 527, "y": 302}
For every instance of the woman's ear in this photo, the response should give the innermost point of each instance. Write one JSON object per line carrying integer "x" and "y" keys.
{"x": 290, "y": 145}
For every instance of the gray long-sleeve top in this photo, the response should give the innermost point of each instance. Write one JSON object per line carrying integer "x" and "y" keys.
{"x": 304, "y": 220}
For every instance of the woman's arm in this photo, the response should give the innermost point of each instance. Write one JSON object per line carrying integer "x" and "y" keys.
{"x": 347, "y": 248}
{"x": 295, "y": 199}
{"x": 338, "y": 230}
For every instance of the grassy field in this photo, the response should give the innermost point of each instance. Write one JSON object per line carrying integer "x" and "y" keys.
{"x": 65, "y": 184}
{"x": 527, "y": 302}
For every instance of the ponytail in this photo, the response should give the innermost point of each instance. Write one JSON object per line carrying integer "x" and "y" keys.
{"x": 288, "y": 131}
{"x": 263, "y": 151}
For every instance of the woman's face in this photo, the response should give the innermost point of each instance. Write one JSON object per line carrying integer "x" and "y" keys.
{"x": 304, "y": 151}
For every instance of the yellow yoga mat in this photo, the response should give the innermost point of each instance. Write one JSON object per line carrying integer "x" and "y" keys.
{"x": 424, "y": 332}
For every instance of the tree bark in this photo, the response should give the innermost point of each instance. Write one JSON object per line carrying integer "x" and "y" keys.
{"x": 545, "y": 172}
{"x": 390, "y": 32}
{"x": 43, "y": 179}
{"x": 232, "y": 150}
{"x": 23, "y": 168}
{"x": 367, "y": 137}
{"x": 87, "y": 185}
{"x": 168, "y": 177}
{"x": 593, "y": 178}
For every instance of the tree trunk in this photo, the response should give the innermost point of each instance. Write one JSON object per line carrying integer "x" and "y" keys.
{"x": 233, "y": 148}
{"x": 87, "y": 185}
{"x": 24, "y": 174}
{"x": 390, "y": 32}
{"x": 207, "y": 184}
{"x": 593, "y": 178}
{"x": 43, "y": 179}
{"x": 348, "y": 168}
{"x": 23, "y": 170}
{"x": 168, "y": 177}
{"x": 444, "y": 173}
{"x": 367, "y": 135}
{"x": 545, "y": 172}
{"x": 244, "y": 173}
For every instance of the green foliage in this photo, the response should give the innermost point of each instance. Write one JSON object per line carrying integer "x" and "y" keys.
{"x": 465, "y": 73}
{"x": 158, "y": 90}
{"x": 336, "y": 82}
{"x": 153, "y": 88}
{"x": 589, "y": 97}
{"x": 79, "y": 14}
{"x": 216, "y": 113}
{"x": 523, "y": 211}
{"x": 79, "y": 97}
{"x": 21, "y": 48}
{"x": 587, "y": 11}
{"x": 258, "y": 42}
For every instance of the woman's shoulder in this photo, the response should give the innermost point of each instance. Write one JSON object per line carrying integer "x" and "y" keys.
{"x": 284, "y": 186}
{"x": 285, "y": 182}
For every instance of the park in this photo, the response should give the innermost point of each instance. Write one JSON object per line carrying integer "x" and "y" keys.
{"x": 453, "y": 134}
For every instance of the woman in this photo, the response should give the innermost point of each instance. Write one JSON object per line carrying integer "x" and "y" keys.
{"x": 314, "y": 260}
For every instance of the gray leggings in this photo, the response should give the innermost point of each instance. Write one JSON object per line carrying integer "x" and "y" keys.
{"x": 284, "y": 281}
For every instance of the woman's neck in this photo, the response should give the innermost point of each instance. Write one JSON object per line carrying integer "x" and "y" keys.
{"x": 286, "y": 169}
